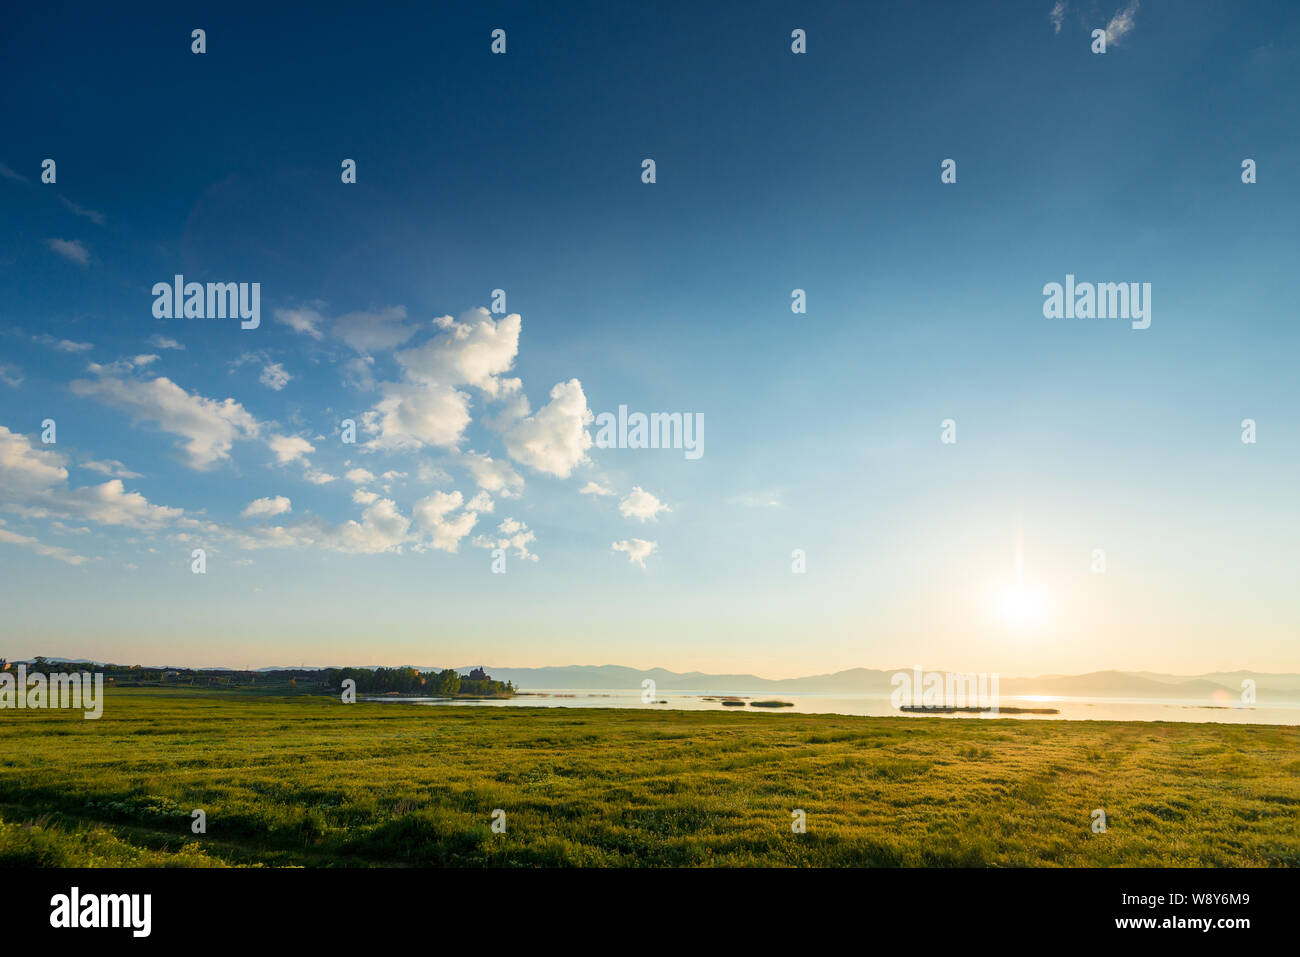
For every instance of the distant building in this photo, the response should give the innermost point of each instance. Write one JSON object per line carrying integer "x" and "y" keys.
{"x": 478, "y": 674}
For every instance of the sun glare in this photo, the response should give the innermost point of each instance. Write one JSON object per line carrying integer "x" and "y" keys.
{"x": 1021, "y": 605}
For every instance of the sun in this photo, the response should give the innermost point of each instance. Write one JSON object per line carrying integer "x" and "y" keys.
{"x": 1021, "y": 605}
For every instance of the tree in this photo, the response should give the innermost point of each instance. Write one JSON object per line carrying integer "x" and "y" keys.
{"x": 447, "y": 682}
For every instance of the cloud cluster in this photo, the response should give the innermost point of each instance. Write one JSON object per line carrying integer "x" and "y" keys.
{"x": 510, "y": 534}
{"x": 34, "y": 483}
{"x": 443, "y": 368}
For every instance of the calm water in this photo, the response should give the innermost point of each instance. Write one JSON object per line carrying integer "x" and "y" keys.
{"x": 1071, "y": 709}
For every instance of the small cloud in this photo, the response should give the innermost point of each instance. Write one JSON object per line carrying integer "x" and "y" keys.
{"x": 70, "y": 249}
{"x": 112, "y": 468}
{"x": 637, "y": 549}
{"x": 10, "y": 375}
{"x": 274, "y": 376}
{"x": 359, "y": 476}
{"x": 266, "y": 507}
{"x": 289, "y": 448}
{"x": 90, "y": 214}
{"x": 595, "y": 488}
{"x": 1057, "y": 16}
{"x": 305, "y": 320}
{"x": 63, "y": 345}
{"x": 163, "y": 342}
{"x": 641, "y": 505}
{"x": 1122, "y": 23}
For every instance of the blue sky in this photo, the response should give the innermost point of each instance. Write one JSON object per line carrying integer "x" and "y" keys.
{"x": 775, "y": 171}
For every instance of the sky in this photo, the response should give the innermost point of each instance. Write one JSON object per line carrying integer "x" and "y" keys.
{"x": 823, "y": 441}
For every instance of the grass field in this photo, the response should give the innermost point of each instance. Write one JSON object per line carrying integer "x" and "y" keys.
{"x": 309, "y": 781}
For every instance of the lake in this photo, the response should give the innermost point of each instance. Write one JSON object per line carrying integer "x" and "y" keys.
{"x": 1071, "y": 709}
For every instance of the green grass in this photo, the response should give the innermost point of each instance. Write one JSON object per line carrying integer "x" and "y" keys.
{"x": 308, "y": 781}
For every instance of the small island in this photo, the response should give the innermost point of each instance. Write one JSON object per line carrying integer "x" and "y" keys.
{"x": 948, "y": 709}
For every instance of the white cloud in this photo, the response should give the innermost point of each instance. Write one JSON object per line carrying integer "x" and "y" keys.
{"x": 70, "y": 249}
{"x": 482, "y": 502}
{"x": 63, "y": 345}
{"x": 305, "y": 320}
{"x": 111, "y": 504}
{"x": 274, "y": 376}
{"x": 111, "y": 467}
{"x": 595, "y": 488}
{"x": 359, "y": 476}
{"x": 25, "y": 469}
{"x": 34, "y": 482}
{"x": 289, "y": 448}
{"x": 317, "y": 477}
{"x": 163, "y": 342}
{"x": 382, "y": 528}
{"x": 473, "y": 351}
{"x": 637, "y": 549}
{"x": 412, "y": 415}
{"x": 208, "y": 427}
{"x": 264, "y": 507}
{"x": 115, "y": 368}
{"x": 1122, "y": 24}
{"x": 1057, "y": 16}
{"x": 432, "y": 517}
{"x": 362, "y": 497}
{"x": 641, "y": 505}
{"x": 554, "y": 440}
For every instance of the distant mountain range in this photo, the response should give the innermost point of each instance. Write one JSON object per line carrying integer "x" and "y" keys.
{"x": 1096, "y": 684}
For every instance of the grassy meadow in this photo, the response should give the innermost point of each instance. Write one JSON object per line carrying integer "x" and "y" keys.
{"x": 306, "y": 780}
